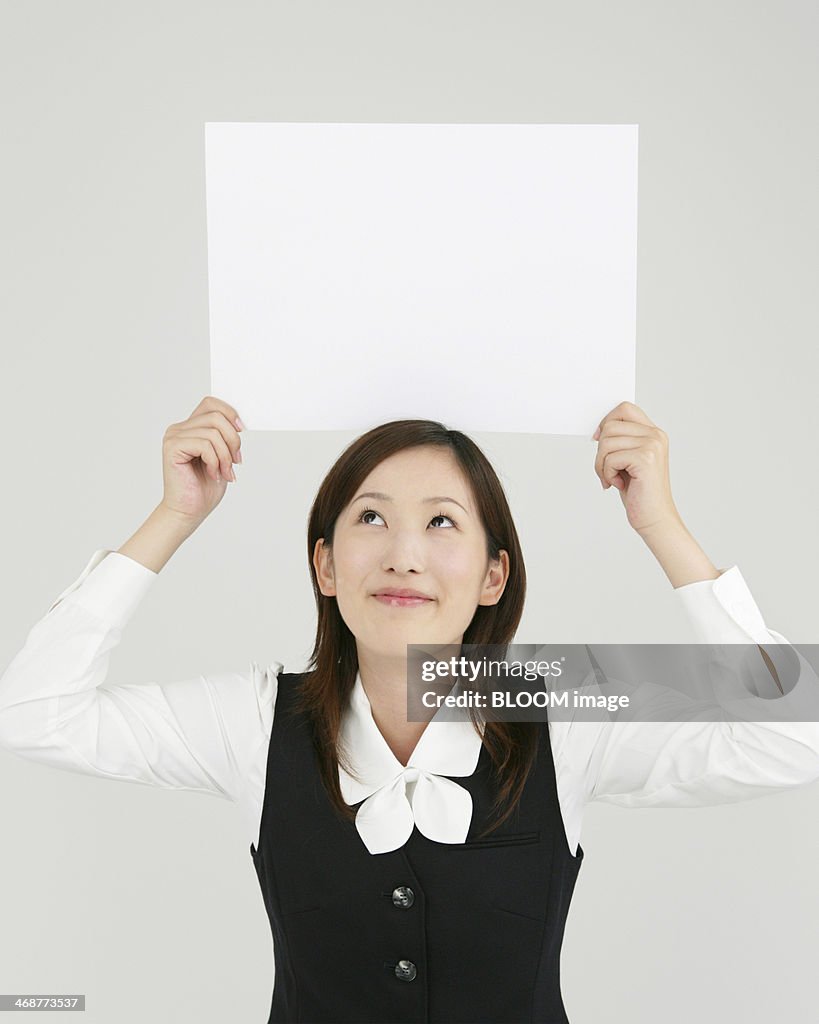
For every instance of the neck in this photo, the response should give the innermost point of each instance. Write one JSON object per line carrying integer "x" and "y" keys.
{"x": 384, "y": 679}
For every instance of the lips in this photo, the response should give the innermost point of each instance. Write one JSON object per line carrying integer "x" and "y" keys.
{"x": 403, "y": 598}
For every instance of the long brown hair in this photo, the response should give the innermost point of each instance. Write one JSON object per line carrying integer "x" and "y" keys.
{"x": 327, "y": 685}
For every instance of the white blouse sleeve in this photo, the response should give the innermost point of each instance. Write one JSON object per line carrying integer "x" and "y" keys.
{"x": 55, "y": 708}
{"x": 695, "y": 763}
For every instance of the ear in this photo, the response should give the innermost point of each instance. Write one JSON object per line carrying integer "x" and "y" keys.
{"x": 496, "y": 579}
{"x": 323, "y": 564}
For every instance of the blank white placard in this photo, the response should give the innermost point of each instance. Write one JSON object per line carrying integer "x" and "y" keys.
{"x": 483, "y": 275}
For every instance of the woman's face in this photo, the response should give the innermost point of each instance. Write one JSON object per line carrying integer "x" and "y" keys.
{"x": 408, "y": 540}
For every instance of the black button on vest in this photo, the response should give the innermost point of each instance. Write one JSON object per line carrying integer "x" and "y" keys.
{"x": 431, "y": 932}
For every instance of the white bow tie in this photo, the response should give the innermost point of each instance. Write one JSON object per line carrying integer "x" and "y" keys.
{"x": 397, "y": 797}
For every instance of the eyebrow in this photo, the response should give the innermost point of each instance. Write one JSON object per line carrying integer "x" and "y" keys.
{"x": 426, "y": 501}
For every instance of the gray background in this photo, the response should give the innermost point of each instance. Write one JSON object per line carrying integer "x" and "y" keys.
{"x": 146, "y": 900}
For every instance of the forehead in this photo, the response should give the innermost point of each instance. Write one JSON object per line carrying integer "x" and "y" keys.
{"x": 416, "y": 473}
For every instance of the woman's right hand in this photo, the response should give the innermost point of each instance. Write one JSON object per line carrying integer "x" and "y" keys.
{"x": 197, "y": 459}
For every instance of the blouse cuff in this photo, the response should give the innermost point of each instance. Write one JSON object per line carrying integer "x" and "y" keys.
{"x": 723, "y": 611}
{"x": 110, "y": 587}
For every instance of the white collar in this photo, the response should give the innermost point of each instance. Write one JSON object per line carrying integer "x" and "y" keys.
{"x": 397, "y": 797}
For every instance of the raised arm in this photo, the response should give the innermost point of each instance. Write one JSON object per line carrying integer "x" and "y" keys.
{"x": 689, "y": 763}
{"x": 55, "y": 706}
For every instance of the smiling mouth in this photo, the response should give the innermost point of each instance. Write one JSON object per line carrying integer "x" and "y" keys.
{"x": 402, "y": 602}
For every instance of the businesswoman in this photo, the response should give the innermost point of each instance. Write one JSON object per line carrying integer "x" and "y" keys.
{"x": 411, "y": 871}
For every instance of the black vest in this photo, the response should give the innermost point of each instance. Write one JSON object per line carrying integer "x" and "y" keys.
{"x": 439, "y": 932}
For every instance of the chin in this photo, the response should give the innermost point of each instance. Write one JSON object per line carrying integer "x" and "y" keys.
{"x": 395, "y": 646}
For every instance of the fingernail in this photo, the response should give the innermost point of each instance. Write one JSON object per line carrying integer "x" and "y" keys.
{"x": 239, "y": 455}
{"x": 239, "y": 424}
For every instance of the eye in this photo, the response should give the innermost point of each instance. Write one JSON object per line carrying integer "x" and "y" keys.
{"x": 441, "y": 515}
{"x": 372, "y": 512}
{"x": 367, "y": 512}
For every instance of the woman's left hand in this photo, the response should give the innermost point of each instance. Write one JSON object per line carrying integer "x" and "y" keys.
{"x": 632, "y": 455}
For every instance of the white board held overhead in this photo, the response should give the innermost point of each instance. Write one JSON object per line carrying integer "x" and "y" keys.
{"x": 484, "y": 275}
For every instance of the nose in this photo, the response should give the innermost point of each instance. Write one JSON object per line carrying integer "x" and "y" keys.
{"x": 402, "y": 553}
